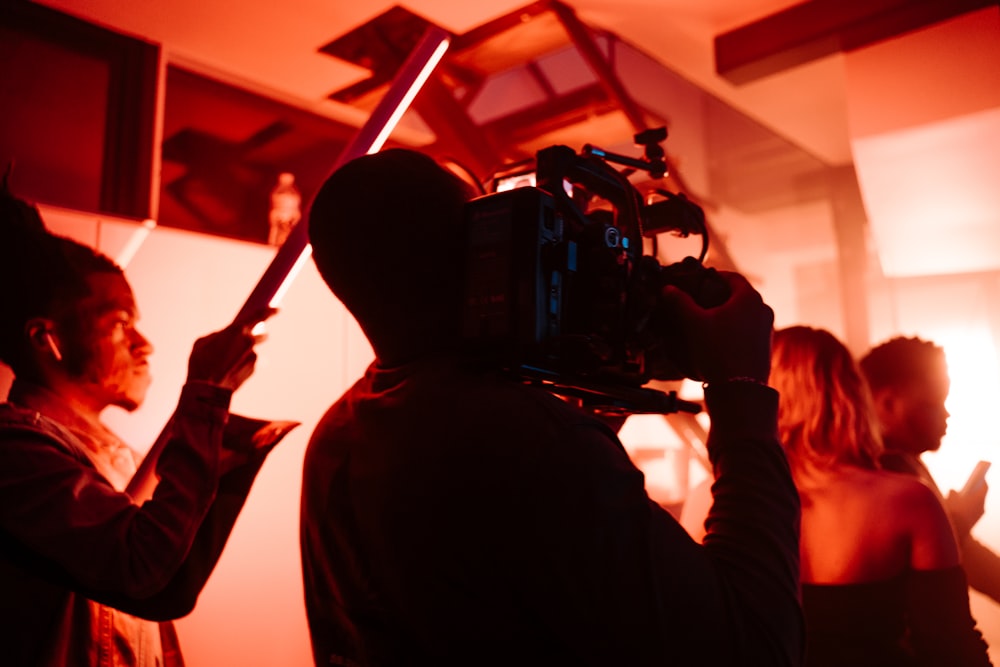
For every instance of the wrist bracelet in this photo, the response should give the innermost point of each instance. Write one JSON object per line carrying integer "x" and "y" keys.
{"x": 739, "y": 379}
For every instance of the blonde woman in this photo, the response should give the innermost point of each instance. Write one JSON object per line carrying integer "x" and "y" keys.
{"x": 882, "y": 582}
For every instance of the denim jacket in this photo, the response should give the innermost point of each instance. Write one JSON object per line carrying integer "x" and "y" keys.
{"x": 90, "y": 577}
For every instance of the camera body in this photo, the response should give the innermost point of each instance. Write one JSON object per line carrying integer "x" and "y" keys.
{"x": 558, "y": 292}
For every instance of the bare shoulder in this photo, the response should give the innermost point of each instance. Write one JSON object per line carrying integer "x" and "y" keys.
{"x": 922, "y": 515}
{"x": 865, "y": 525}
{"x": 906, "y": 489}
{"x": 883, "y": 486}
{"x": 905, "y": 496}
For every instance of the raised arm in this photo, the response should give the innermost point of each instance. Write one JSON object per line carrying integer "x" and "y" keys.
{"x": 753, "y": 525}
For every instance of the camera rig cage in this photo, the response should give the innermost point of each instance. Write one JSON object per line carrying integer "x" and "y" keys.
{"x": 558, "y": 292}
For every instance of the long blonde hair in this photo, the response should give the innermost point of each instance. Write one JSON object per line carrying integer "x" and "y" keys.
{"x": 825, "y": 415}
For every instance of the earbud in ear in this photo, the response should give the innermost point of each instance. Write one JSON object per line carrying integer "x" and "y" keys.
{"x": 40, "y": 334}
{"x": 51, "y": 343}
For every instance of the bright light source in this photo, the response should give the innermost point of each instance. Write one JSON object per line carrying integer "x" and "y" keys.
{"x": 135, "y": 242}
{"x": 279, "y": 293}
{"x": 369, "y": 139}
{"x": 975, "y": 394}
{"x": 411, "y": 92}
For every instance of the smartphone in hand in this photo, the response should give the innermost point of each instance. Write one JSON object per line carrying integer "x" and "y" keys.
{"x": 977, "y": 477}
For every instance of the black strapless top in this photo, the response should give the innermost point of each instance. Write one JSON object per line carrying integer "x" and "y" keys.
{"x": 917, "y": 618}
{"x": 856, "y": 625}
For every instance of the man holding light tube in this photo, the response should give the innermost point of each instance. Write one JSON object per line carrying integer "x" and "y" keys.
{"x": 91, "y": 570}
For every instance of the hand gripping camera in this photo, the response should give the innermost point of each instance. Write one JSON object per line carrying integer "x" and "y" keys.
{"x": 558, "y": 292}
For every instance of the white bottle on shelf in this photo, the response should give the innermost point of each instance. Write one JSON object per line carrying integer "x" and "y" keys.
{"x": 286, "y": 208}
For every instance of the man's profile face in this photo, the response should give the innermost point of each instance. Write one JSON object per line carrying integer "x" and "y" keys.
{"x": 914, "y": 417}
{"x": 113, "y": 354}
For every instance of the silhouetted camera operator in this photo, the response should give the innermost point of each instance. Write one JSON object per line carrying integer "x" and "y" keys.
{"x": 454, "y": 516}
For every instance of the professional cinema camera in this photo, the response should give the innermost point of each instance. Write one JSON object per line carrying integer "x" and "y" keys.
{"x": 558, "y": 291}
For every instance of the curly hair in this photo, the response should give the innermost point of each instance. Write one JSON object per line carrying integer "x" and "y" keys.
{"x": 825, "y": 415}
{"x": 42, "y": 275}
{"x": 904, "y": 361}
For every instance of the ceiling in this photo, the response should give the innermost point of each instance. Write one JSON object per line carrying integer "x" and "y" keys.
{"x": 904, "y": 94}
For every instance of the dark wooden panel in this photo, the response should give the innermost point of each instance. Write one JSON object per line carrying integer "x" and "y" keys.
{"x": 818, "y": 28}
{"x": 79, "y": 107}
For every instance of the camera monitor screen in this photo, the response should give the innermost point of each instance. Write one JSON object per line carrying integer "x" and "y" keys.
{"x": 521, "y": 176}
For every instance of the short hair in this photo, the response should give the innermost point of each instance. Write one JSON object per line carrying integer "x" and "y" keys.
{"x": 826, "y": 414}
{"x": 387, "y": 236}
{"x": 41, "y": 274}
{"x": 903, "y": 362}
